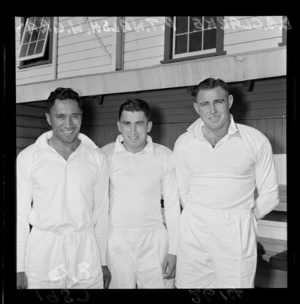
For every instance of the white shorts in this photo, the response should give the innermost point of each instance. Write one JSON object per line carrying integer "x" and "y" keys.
{"x": 217, "y": 248}
{"x": 135, "y": 258}
{"x": 63, "y": 261}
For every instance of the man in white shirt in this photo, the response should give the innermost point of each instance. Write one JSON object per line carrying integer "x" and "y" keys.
{"x": 141, "y": 253}
{"x": 62, "y": 192}
{"x": 218, "y": 165}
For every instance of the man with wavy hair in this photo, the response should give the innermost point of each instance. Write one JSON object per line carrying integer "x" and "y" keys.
{"x": 62, "y": 192}
{"x": 219, "y": 163}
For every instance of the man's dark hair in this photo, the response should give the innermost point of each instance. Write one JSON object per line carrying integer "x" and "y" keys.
{"x": 62, "y": 94}
{"x": 208, "y": 84}
{"x": 135, "y": 105}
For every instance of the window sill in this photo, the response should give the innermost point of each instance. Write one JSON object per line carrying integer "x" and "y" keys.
{"x": 34, "y": 64}
{"x": 281, "y": 44}
{"x": 192, "y": 57}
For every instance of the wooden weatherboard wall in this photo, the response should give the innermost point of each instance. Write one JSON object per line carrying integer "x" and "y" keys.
{"x": 30, "y": 123}
{"x": 261, "y": 104}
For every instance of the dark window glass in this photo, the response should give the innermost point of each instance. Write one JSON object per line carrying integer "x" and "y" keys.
{"x": 195, "y": 42}
{"x": 210, "y": 39}
{"x": 210, "y": 22}
{"x": 31, "y": 48}
{"x": 181, "y": 25}
{"x": 24, "y": 50}
{"x": 39, "y": 47}
{"x": 181, "y": 44}
{"x": 196, "y": 23}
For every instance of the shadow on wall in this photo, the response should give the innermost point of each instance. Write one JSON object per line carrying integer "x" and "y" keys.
{"x": 239, "y": 109}
{"x": 30, "y": 123}
{"x": 155, "y": 133}
{"x": 99, "y": 122}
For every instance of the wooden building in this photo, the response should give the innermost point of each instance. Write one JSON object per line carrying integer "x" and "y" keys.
{"x": 159, "y": 59}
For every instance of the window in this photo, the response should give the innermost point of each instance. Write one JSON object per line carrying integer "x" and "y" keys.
{"x": 36, "y": 41}
{"x": 191, "y": 37}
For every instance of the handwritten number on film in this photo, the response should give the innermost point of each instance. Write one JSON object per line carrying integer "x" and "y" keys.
{"x": 53, "y": 298}
{"x": 209, "y": 293}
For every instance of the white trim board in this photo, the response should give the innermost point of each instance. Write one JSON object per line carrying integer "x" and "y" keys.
{"x": 231, "y": 68}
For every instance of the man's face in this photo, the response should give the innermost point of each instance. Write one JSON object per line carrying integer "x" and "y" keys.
{"x": 213, "y": 107}
{"x": 65, "y": 119}
{"x": 134, "y": 128}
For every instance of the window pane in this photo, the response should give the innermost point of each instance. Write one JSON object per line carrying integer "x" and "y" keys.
{"x": 42, "y": 34}
{"x": 181, "y": 25}
{"x": 210, "y": 39}
{"x": 196, "y": 23}
{"x": 30, "y": 26}
{"x": 45, "y": 25}
{"x": 195, "y": 42}
{"x": 31, "y": 48}
{"x": 34, "y": 36}
{"x": 38, "y": 21}
{"x": 23, "y": 50}
{"x": 210, "y": 22}
{"x": 181, "y": 44}
{"x": 46, "y": 20}
{"x": 39, "y": 47}
{"x": 27, "y": 36}
{"x": 31, "y": 19}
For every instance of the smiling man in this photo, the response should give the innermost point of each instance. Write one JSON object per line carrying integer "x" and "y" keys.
{"x": 141, "y": 253}
{"x": 62, "y": 192}
{"x": 218, "y": 165}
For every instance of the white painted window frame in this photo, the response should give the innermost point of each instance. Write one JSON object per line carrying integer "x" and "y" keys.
{"x": 188, "y": 54}
{"x": 38, "y": 55}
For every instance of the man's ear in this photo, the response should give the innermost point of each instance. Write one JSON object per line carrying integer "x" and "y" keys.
{"x": 196, "y": 107}
{"x": 119, "y": 126}
{"x": 149, "y": 126}
{"x": 48, "y": 119}
{"x": 230, "y": 101}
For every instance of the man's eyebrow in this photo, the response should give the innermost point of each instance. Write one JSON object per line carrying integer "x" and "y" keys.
{"x": 74, "y": 113}
{"x": 139, "y": 121}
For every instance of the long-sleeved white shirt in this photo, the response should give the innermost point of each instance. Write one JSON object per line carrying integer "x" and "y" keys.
{"x": 225, "y": 177}
{"x": 137, "y": 184}
{"x": 61, "y": 195}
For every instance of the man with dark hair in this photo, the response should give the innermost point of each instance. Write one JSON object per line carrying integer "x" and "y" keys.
{"x": 218, "y": 165}
{"x": 140, "y": 251}
{"x": 62, "y": 192}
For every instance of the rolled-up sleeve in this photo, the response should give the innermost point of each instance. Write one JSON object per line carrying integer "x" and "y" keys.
{"x": 101, "y": 206}
{"x": 24, "y": 200}
{"x": 266, "y": 182}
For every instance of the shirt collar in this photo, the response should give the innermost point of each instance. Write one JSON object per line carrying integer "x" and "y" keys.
{"x": 196, "y": 127}
{"x": 119, "y": 147}
{"x": 86, "y": 142}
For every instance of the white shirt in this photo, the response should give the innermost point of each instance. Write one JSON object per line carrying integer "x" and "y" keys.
{"x": 67, "y": 195}
{"x": 137, "y": 184}
{"x": 224, "y": 177}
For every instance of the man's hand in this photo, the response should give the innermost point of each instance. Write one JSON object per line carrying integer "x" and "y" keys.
{"x": 169, "y": 266}
{"x": 106, "y": 277}
{"x": 21, "y": 280}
